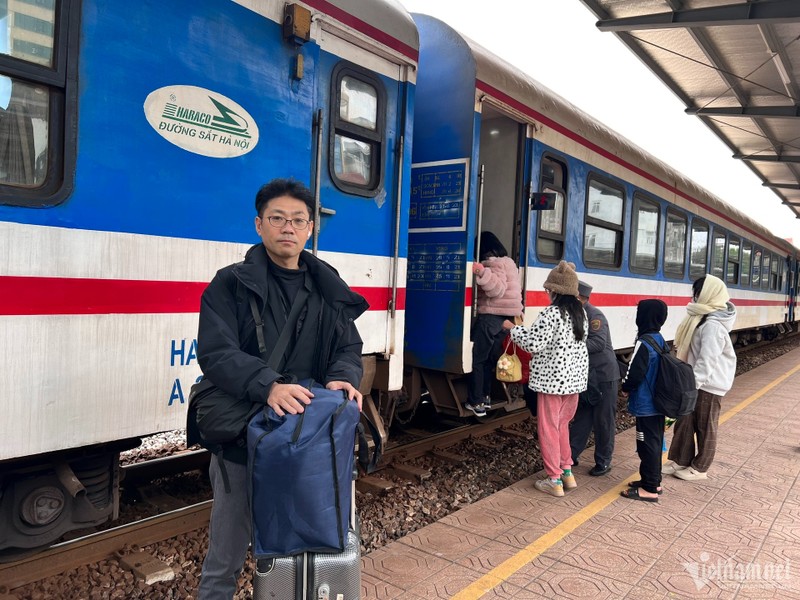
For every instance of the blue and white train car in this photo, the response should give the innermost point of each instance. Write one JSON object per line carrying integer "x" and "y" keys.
{"x": 133, "y": 138}
{"x": 488, "y": 140}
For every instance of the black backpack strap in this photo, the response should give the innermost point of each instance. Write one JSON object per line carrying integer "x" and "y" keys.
{"x": 650, "y": 341}
{"x": 278, "y": 351}
{"x": 654, "y": 345}
{"x": 262, "y": 346}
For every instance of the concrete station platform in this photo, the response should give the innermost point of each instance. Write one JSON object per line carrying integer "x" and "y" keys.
{"x": 734, "y": 535}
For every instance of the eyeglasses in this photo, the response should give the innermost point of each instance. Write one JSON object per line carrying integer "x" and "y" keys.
{"x": 278, "y": 221}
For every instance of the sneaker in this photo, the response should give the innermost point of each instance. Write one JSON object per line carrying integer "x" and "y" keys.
{"x": 672, "y": 468}
{"x": 487, "y": 402}
{"x": 477, "y": 409}
{"x": 568, "y": 480}
{"x": 690, "y": 474}
{"x": 549, "y": 486}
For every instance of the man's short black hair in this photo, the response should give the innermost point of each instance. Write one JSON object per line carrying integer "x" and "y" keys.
{"x": 284, "y": 187}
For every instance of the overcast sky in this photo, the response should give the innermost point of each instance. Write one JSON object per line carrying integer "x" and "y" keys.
{"x": 556, "y": 42}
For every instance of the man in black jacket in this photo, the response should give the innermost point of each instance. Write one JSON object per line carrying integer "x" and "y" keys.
{"x": 324, "y": 345}
{"x": 597, "y": 406}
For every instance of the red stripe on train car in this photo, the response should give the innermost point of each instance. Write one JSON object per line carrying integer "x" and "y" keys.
{"x": 601, "y": 300}
{"x": 75, "y": 296}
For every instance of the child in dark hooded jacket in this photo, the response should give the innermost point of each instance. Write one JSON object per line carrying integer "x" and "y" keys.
{"x": 638, "y": 385}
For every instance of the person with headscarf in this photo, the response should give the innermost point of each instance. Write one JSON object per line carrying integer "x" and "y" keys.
{"x": 638, "y": 385}
{"x": 703, "y": 340}
{"x": 499, "y": 298}
{"x": 559, "y": 371}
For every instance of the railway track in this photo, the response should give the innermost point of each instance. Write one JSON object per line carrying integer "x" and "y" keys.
{"x": 105, "y": 544}
{"x": 125, "y": 539}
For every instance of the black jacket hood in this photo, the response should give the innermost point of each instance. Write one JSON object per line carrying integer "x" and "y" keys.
{"x": 651, "y": 314}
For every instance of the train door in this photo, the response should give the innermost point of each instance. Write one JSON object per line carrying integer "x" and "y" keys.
{"x": 358, "y": 166}
{"x": 447, "y": 215}
{"x": 791, "y": 285}
{"x": 501, "y": 156}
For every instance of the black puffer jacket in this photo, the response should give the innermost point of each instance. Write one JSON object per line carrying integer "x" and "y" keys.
{"x": 227, "y": 348}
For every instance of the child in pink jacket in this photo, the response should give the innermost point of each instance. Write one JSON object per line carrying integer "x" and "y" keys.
{"x": 499, "y": 298}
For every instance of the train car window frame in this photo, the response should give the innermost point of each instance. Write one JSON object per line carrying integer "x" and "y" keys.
{"x": 755, "y": 280}
{"x": 733, "y": 264}
{"x": 766, "y": 259}
{"x": 718, "y": 244}
{"x": 746, "y": 264}
{"x": 696, "y": 270}
{"x": 47, "y": 169}
{"x": 617, "y": 230}
{"x": 342, "y": 128}
{"x": 672, "y": 268}
{"x": 556, "y": 219}
{"x": 636, "y": 260}
{"x": 774, "y": 273}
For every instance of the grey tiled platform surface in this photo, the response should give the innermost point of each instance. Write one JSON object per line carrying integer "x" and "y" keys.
{"x": 698, "y": 542}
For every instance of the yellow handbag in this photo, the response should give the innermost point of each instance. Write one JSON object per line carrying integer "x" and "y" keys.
{"x": 509, "y": 367}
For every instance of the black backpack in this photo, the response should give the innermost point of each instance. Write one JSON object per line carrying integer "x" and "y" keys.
{"x": 675, "y": 394}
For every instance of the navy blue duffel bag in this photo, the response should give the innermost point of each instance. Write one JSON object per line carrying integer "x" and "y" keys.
{"x": 301, "y": 475}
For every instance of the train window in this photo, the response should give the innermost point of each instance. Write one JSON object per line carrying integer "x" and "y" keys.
{"x": 757, "y": 268}
{"x": 602, "y": 238}
{"x": 765, "y": 270}
{"x": 33, "y": 85}
{"x": 675, "y": 244}
{"x": 734, "y": 259}
{"x": 357, "y": 130}
{"x": 747, "y": 252}
{"x": 644, "y": 235}
{"x": 774, "y": 282}
{"x": 717, "y": 254}
{"x": 550, "y": 236}
{"x": 698, "y": 254}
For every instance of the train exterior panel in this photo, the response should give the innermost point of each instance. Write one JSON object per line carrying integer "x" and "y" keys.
{"x": 142, "y": 136}
{"x": 172, "y": 117}
{"x": 506, "y": 141}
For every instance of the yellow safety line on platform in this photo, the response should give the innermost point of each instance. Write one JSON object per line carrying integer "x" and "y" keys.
{"x": 506, "y": 569}
{"x": 745, "y": 403}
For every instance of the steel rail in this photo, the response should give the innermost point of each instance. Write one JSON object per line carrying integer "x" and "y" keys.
{"x": 102, "y": 545}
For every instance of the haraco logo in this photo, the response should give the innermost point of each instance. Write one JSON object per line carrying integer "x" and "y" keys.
{"x": 201, "y": 121}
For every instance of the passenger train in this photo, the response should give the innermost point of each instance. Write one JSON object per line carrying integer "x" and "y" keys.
{"x": 133, "y": 140}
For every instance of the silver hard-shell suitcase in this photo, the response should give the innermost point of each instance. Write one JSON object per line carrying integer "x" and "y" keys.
{"x": 313, "y": 575}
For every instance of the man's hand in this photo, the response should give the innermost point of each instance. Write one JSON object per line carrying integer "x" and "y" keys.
{"x": 288, "y": 398}
{"x": 352, "y": 393}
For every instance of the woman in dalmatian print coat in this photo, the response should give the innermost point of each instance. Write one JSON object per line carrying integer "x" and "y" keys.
{"x": 559, "y": 371}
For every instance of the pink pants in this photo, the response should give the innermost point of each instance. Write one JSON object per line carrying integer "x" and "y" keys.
{"x": 554, "y": 414}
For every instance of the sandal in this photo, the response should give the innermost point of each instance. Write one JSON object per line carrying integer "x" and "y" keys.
{"x": 633, "y": 494}
{"x": 638, "y": 484}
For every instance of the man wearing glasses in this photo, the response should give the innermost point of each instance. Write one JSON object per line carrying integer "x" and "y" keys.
{"x": 323, "y": 344}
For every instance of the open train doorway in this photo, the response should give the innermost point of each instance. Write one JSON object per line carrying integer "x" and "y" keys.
{"x": 501, "y": 155}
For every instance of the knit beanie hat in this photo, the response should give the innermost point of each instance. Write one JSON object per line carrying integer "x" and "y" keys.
{"x": 563, "y": 279}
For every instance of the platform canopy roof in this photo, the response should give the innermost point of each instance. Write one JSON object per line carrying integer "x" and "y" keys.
{"x": 735, "y": 64}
